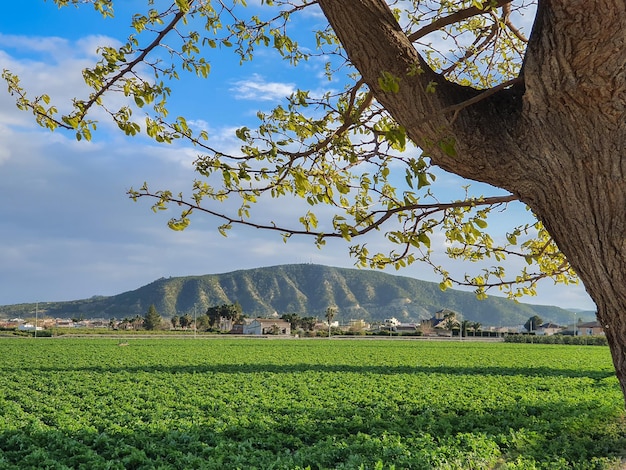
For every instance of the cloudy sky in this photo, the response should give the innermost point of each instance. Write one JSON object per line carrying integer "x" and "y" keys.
{"x": 67, "y": 229}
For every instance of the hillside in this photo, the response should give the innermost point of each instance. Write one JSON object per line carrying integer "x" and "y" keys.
{"x": 305, "y": 289}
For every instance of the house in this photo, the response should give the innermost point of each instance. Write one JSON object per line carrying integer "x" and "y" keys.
{"x": 12, "y": 323}
{"x": 98, "y": 323}
{"x": 266, "y": 326}
{"x": 592, "y": 328}
{"x": 322, "y": 325}
{"x": 357, "y": 325}
{"x": 391, "y": 323}
{"x": 445, "y": 319}
{"x": 548, "y": 329}
{"x": 29, "y": 327}
{"x": 407, "y": 327}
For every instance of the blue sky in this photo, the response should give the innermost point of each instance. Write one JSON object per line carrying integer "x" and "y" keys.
{"x": 68, "y": 231}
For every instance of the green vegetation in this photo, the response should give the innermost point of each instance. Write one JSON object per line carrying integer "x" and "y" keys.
{"x": 152, "y": 320}
{"x": 305, "y": 289}
{"x": 288, "y": 404}
{"x": 224, "y": 315}
{"x": 533, "y": 323}
{"x": 558, "y": 339}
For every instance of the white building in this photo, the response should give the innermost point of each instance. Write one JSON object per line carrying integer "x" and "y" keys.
{"x": 267, "y": 326}
{"x": 29, "y": 327}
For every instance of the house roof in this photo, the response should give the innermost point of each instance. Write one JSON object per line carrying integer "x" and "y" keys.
{"x": 271, "y": 321}
{"x": 438, "y": 323}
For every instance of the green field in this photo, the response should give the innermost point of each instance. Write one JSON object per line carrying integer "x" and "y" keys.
{"x": 287, "y": 404}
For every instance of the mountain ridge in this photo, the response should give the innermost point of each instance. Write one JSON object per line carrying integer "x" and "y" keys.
{"x": 305, "y": 289}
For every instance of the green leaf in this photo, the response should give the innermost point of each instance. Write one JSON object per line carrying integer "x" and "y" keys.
{"x": 481, "y": 223}
{"x": 425, "y": 239}
{"x": 183, "y": 5}
{"x": 178, "y": 224}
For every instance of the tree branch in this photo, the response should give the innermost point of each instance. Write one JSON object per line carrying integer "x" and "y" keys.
{"x": 378, "y": 48}
{"x": 455, "y": 18}
{"x": 381, "y": 216}
{"x": 132, "y": 64}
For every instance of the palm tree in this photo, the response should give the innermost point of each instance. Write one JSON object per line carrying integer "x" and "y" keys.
{"x": 185, "y": 321}
{"x": 465, "y": 324}
{"x": 450, "y": 321}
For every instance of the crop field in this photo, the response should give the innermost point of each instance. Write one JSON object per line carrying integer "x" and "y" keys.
{"x": 165, "y": 403}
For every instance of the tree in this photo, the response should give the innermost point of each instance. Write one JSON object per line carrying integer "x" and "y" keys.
{"x": 274, "y": 330}
{"x": 533, "y": 323}
{"x": 308, "y": 323}
{"x": 123, "y": 325}
{"x": 203, "y": 323}
{"x": 450, "y": 321}
{"x": 296, "y": 321}
{"x": 152, "y": 319}
{"x": 137, "y": 322}
{"x": 329, "y": 315}
{"x": 465, "y": 325}
{"x": 213, "y": 313}
{"x": 175, "y": 320}
{"x": 186, "y": 321}
{"x": 224, "y": 315}
{"x": 540, "y": 117}
{"x": 293, "y": 318}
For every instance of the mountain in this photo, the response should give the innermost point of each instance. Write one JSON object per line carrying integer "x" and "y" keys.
{"x": 305, "y": 289}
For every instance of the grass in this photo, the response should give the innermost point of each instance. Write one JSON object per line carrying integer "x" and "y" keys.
{"x": 222, "y": 403}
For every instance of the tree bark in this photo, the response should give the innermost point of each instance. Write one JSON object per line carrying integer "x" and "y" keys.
{"x": 556, "y": 139}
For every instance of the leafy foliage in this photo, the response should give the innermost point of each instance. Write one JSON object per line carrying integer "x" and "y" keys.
{"x": 233, "y": 313}
{"x": 558, "y": 339}
{"x": 338, "y": 149}
{"x": 533, "y": 323}
{"x": 307, "y": 404}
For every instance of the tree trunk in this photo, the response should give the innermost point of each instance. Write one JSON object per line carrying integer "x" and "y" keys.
{"x": 557, "y": 139}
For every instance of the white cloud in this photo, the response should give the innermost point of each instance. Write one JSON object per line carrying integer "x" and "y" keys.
{"x": 52, "y": 66}
{"x": 257, "y": 89}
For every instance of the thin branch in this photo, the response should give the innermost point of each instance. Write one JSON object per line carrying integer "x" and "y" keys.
{"x": 427, "y": 209}
{"x": 506, "y": 19}
{"x": 454, "y": 18}
{"x": 131, "y": 65}
{"x": 456, "y": 108}
{"x": 476, "y": 47}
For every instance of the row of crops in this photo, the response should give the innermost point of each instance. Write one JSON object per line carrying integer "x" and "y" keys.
{"x": 293, "y": 404}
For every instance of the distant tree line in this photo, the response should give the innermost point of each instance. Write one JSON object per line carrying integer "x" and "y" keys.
{"x": 152, "y": 320}
{"x": 225, "y": 313}
{"x": 218, "y": 317}
{"x": 558, "y": 339}
{"x": 299, "y": 323}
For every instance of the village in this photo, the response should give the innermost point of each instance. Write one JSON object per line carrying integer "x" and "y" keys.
{"x": 443, "y": 324}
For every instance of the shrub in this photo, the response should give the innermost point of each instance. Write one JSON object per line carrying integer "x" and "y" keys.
{"x": 558, "y": 339}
